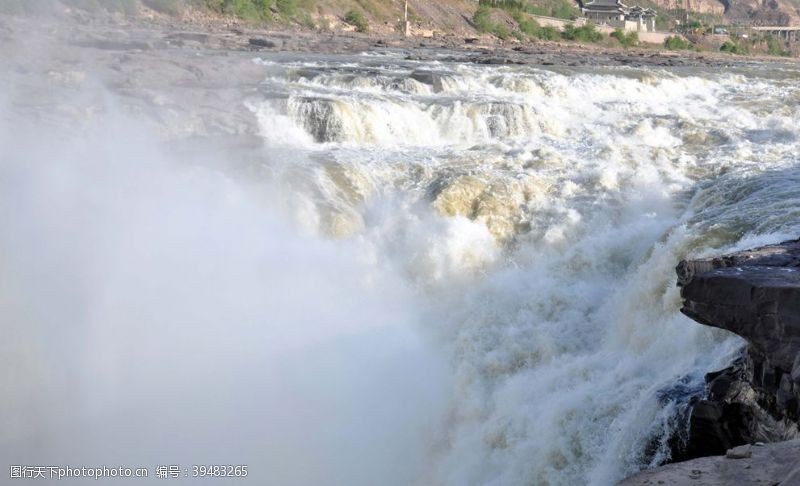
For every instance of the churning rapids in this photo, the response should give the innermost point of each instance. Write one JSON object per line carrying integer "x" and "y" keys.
{"x": 430, "y": 273}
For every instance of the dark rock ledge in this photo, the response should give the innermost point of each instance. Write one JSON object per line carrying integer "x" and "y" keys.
{"x": 755, "y": 294}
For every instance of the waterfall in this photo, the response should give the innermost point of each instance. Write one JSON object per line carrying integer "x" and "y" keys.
{"x": 563, "y": 332}
{"x": 431, "y": 273}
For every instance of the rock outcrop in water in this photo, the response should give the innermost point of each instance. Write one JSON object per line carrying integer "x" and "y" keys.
{"x": 755, "y": 294}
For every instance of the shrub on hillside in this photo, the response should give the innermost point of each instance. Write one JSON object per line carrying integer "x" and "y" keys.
{"x": 538, "y": 10}
{"x": 504, "y": 4}
{"x": 527, "y": 25}
{"x": 501, "y": 31}
{"x": 629, "y": 39}
{"x": 530, "y": 28}
{"x": 548, "y": 32}
{"x": 357, "y": 20}
{"x": 483, "y": 22}
{"x": 734, "y": 48}
{"x": 676, "y": 43}
{"x": 287, "y": 7}
{"x": 584, "y": 33}
{"x": 482, "y": 19}
{"x": 307, "y": 21}
{"x": 255, "y": 10}
{"x": 774, "y": 47}
{"x": 564, "y": 9}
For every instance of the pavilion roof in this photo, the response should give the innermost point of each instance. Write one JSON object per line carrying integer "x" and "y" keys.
{"x": 604, "y": 4}
{"x": 638, "y": 10}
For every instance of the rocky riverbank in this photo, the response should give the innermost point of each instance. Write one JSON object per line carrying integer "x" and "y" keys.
{"x": 119, "y": 33}
{"x": 767, "y": 464}
{"x": 755, "y": 294}
{"x": 199, "y": 75}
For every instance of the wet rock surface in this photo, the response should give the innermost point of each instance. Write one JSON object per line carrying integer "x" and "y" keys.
{"x": 755, "y": 294}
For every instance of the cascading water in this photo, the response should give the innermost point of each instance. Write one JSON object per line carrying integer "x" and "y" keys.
{"x": 442, "y": 274}
{"x": 540, "y": 215}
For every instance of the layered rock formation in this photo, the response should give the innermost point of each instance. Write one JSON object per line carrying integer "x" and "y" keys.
{"x": 759, "y": 12}
{"x": 755, "y": 294}
{"x": 756, "y": 400}
{"x": 716, "y": 7}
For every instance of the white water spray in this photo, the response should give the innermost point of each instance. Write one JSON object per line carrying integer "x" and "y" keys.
{"x": 454, "y": 274}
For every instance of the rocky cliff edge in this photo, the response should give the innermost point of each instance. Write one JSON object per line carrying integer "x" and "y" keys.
{"x": 756, "y": 400}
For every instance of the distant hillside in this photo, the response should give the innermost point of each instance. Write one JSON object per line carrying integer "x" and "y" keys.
{"x": 763, "y": 12}
{"x": 428, "y": 17}
{"x": 699, "y": 6}
{"x": 748, "y": 12}
{"x": 454, "y": 15}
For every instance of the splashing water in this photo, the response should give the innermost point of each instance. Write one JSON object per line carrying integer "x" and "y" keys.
{"x": 458, "y": 274}
{"x": 562, "y": 335}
